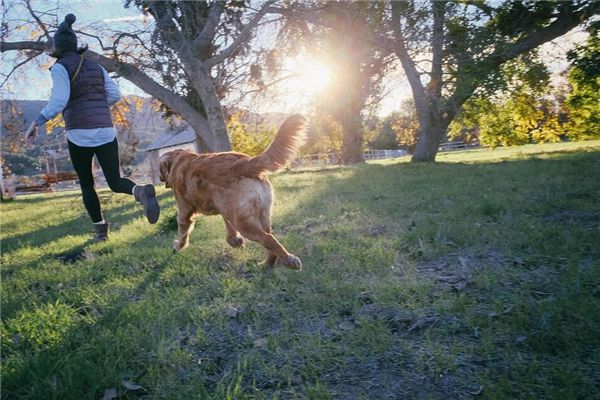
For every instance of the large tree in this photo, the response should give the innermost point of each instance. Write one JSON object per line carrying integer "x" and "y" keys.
{"x": 451, "y": 48}
{"x": 358, "y": 66}
{"x": 337, "y": 34}
{"x": 182, "y": 57}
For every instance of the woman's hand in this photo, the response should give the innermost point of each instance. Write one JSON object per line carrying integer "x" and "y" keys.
{"x": 31, "y": 135}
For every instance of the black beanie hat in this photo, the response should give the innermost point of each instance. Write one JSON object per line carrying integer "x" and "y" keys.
{"x": 64, "y": 38}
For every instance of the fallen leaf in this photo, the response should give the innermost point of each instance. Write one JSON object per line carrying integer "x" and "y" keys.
{"x": 421, "y": 322}
{"x": 231, "y": 311}
{"x": 346, "y": 326}
{"x": 517, "y": 262}
{"x": 520, "y": 339}
{"x": 452, "y": 279}
{"x": 460, "y": 286}
{"x": 365, "y": 297}
{"x": 131, "y": 386}
{"x": 110, "y": 394}
{"x": 477, "y": 391}
{"x": 260, "y": 343}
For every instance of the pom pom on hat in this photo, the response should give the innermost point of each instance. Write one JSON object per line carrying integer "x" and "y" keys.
{"x": 70, "y": 19}
{"x": 64, "y": 38}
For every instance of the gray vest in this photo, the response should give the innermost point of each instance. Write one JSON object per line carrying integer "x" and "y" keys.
{"x": 87, "y": 107}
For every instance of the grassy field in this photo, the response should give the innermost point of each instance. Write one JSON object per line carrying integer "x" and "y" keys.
{"x": 476, "y": 277}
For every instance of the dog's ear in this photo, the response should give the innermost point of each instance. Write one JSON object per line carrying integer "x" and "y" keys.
{"x": 165, "y": 162}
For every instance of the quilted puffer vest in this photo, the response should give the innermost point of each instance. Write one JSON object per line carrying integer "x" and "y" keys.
{"x": 87, "y": 107}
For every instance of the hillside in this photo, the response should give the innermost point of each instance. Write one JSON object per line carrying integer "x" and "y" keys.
{"x": 148, "y": 123}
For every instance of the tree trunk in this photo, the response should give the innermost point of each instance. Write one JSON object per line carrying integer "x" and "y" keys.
{"x": 431, "y": 132}
{"x": 204, "y": 84}
{"x": 216, "y": 120}
{"x": 199, "y": 124}
{"x": 352, "y": 138}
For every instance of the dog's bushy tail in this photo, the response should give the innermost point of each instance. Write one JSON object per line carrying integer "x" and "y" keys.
{"x": 283, "y": 148}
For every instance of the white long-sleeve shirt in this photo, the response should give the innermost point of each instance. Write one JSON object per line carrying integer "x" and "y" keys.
{"x": 59, "y": 97}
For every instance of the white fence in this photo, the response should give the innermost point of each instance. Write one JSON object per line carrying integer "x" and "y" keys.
{"x": 383, "y": 154}
{"x": 324, "y": 159}
{"x": 309, "y": 161}
{"x": 450, "y": 146}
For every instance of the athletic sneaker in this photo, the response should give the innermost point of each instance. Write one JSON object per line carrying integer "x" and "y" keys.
{"x": 146, "y": 195}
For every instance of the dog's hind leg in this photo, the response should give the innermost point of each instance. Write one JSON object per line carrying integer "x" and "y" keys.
{"x": 185, "y": 226}
{"x": 233, "y": 236}
{"x": 252, "y": 230}
{"x": 265, "y": 221}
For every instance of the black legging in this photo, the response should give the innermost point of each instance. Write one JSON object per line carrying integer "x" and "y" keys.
{"x": 108, "y": 157}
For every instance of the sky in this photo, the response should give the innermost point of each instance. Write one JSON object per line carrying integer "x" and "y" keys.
{"x": 88, "y": 12}
{"x": 33, "y": 82}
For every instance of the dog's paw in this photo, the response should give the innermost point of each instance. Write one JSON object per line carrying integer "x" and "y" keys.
{"x": 235, "y": 241}
{"x": 292, "y": 262}
{"x": 178, "y": 246}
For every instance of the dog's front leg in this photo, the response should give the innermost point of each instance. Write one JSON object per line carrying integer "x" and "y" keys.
{"x": 185, "y": 226}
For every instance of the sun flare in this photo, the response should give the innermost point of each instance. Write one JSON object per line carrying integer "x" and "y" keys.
{"x": 310, "y": 78}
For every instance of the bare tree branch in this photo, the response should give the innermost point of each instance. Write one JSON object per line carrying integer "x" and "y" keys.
{"x": 437, "y": 42}
{"x": 206, "y": 36}
{"x": 408, "y": 64}
{"x": 19, "y": 65}
{"x": 164, "y": 20}
{"x": 37, "y": 19}
{"x": 104, "y": 48}
{"x": 272, "y": 83}
{"x": 25, "y": 45}
{"x": 229, "y": 51}
{"x": 134, "y": 75}
{"x": 121, "y": 35}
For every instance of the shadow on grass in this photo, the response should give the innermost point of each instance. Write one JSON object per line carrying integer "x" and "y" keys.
{"x": 81, "y": 224}
{"x": 349, "y": 225}
{"x": 90, "y": 379}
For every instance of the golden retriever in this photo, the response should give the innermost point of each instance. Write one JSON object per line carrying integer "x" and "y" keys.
{"x": 234, "y": 185}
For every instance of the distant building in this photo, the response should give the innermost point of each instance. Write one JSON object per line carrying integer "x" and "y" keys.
{"x": 184, "y": 139}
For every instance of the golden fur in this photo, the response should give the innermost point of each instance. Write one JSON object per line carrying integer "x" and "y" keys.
{"x": 234, "y": 185}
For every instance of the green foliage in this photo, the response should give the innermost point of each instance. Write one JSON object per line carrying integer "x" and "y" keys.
{"x": 518, "y": 17}
{"x": 518, "y": 111}
{"x": 583, "y": 102}
{"x": 398, "y": 130}
{"x": 24, "y": 163}
{"x": 522, "y": 117}
{"x": 249, "y": 139}
{"x": 324, "y": 135}
{"x": 384, "y": 136}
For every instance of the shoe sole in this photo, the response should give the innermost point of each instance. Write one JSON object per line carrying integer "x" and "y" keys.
{"x": 151, "y": 207}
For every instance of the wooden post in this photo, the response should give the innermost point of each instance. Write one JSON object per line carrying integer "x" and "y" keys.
{"x": 2, "y": 188}
{"x": 47, "y": 165}
{"x": 10, "y": 187}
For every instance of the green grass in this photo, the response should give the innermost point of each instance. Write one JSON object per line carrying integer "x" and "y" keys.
{"x": 478, "y": 276}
